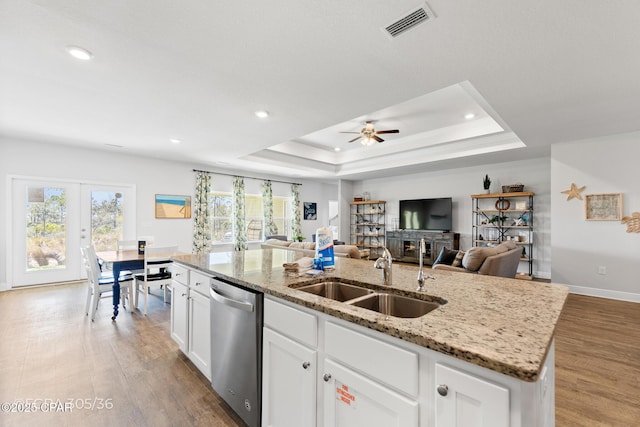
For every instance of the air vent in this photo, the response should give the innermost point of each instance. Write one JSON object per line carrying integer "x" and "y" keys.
{"x": 414, "y": 17}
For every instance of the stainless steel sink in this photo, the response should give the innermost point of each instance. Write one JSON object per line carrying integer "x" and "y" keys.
{"x": 396, "y": 305}
{"x": 335, "y": 290}
{"x": 360, "y": 296}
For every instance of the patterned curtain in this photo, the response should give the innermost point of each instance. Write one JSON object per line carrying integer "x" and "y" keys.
{"x": 239, "y": 226}
{"x": 270, "y": 228}
{"x": 295, "y": 206}
{"x": 201, "y": 212}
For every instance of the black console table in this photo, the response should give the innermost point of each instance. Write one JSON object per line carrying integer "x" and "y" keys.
{"x": 404, "y": 244}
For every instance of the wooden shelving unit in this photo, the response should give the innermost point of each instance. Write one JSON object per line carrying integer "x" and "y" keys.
{"x": 368, "y": 226}
{"x": 499, "y": 217}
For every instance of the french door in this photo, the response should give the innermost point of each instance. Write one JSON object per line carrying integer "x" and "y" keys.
{"x": 52, "y": 219}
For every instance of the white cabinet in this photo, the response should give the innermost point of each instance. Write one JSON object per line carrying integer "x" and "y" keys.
{"x": 351, "y": 399}
{"x": 320, "y": 370}
{"x": 191, "y": 316}
{"x": 289, "y": 382}
{"x": 199, "y": 345}
{"x": 289, "y": 366}
{"x": 179, "y": 313}
{"x": 463, "y": 400}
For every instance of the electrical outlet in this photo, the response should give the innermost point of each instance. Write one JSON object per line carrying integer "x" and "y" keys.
{"x": 602, "y": 269}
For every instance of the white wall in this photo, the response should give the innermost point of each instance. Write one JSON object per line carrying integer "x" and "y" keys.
{"x": 459, "y": 184}
{"x": 150, "y": 176}
{"x": 579, "y": 247}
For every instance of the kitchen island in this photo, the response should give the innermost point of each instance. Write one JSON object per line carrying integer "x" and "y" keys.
{"x": 492, "y": 334}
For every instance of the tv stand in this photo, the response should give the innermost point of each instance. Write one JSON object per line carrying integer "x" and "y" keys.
{"x": 404, "y": 244}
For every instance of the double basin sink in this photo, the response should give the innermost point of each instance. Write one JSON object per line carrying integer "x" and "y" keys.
{"x": 364, "y": 297}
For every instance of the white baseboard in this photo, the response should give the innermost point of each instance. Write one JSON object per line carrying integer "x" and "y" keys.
{"x": 4, "y": 287}
{"x": 604, "y": 293}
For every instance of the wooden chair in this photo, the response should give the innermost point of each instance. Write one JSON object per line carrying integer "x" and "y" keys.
{"x": 157, "y": 271}
{"x": 101, "y": 283}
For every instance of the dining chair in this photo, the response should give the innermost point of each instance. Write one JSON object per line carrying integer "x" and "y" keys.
{"x": 125, "y": 245}
{"x": 100, "y": 283}
{"x": 157, "y": 271}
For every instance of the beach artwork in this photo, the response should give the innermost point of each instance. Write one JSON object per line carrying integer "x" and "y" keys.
{"x": 168, "y": 206}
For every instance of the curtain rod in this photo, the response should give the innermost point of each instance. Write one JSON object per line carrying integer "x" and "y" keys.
{"x": 248, "y": 177}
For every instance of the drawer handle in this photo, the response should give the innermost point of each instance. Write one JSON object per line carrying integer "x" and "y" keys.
{"x": 198, "y": 283}
{"x": 326, "y": 377}
{"x": 443, "y": 390}
{"x": 306, "y": 365}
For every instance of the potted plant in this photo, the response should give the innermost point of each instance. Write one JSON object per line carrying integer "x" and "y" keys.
{"x": 298, "y": 238}
{"x": 486, "y": 183}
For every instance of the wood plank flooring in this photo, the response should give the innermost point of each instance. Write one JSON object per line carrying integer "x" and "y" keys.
{"x": 50, "y": 350}
{"x": 598, "y": 363}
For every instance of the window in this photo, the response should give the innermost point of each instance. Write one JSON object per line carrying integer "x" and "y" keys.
{"x": 222, "y": 213}
{"x": 221, "y": 223}
{"x": 282, "y": 215}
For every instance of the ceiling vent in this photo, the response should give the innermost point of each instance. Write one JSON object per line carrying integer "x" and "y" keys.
{"x": 411, "y": 19}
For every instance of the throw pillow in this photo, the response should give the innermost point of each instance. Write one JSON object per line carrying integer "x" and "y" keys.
{"x": 457, "y": 261}
{"x": 446, "y": 256}
{"x": 475, "y": 256}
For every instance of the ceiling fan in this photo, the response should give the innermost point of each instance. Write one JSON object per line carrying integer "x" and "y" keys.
{"x": 370, "y": 135}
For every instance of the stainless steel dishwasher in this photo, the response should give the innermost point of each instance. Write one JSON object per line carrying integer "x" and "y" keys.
{"x": 236, "y": 348}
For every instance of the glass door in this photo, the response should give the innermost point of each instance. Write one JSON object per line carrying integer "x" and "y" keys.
{"x": 50, "y": 221}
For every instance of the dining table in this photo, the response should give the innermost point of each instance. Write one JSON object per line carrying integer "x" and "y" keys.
{"x": 120, "y": 261}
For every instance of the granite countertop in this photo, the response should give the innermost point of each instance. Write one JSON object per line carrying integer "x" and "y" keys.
{"x": 505, "y": 325}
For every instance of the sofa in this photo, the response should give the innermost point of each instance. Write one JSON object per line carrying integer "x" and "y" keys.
{"x": 309, "y": 248}
{"x": 501, "y": 260}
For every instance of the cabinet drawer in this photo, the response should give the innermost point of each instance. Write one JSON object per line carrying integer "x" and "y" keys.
{"x": 385, "y": 362}
{"x": 199, "y": 282}
{"x": 296, "y": 324}
{"x": 180, "y": 274}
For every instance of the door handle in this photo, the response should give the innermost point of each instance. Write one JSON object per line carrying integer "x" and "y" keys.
{"x": 241, "y": 305}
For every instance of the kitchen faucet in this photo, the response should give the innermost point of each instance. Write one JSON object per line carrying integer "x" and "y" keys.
{"x": 421, "y": 251}
{"x": 385, "y": 263}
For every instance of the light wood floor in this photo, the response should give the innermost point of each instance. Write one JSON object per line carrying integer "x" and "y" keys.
{"x": 598, "y": 363}
{"x": 50, "y": 350}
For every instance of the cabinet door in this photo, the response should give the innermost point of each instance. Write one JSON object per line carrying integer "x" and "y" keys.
{"x": 351, "y": 399}
{"x": 394, "y": 244}
{"x": 179, "y": 318}
{"x": 199, "y": 344}
{"x": 288, "y": 382}
{"x": 469, "y": 401}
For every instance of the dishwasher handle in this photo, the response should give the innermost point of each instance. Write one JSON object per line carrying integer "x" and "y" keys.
{"x": 240, "y": 305}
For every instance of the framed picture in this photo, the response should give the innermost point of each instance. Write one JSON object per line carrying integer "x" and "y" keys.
{"x": 310, "y": 212}
{"x": 168, "y": 206}
{"x": 603, "y": 207}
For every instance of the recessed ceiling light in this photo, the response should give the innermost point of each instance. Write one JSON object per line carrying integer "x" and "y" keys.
{"x": 469, "y": 116}
{"x": 79, "y": 53}
{"x": 175, "y": 141}
{"x": 336, "y": 149}
{"x": 262, "y": 114}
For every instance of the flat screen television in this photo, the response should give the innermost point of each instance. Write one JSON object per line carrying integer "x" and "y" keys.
{"x": 426, "y": 214}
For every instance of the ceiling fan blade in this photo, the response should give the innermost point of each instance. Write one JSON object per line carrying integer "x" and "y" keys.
{"x": 355, "y": 139}
{"x": 377, "y": 138}
{"x": 388, "y": 131}
{"x": 348, "y": 132}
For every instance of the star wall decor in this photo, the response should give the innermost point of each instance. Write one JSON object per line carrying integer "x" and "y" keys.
{"x": 633, "y": 222}
{"x": 574, "y": 192}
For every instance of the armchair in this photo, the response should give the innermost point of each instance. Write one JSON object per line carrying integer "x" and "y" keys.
{"x": 501, "y": 261}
